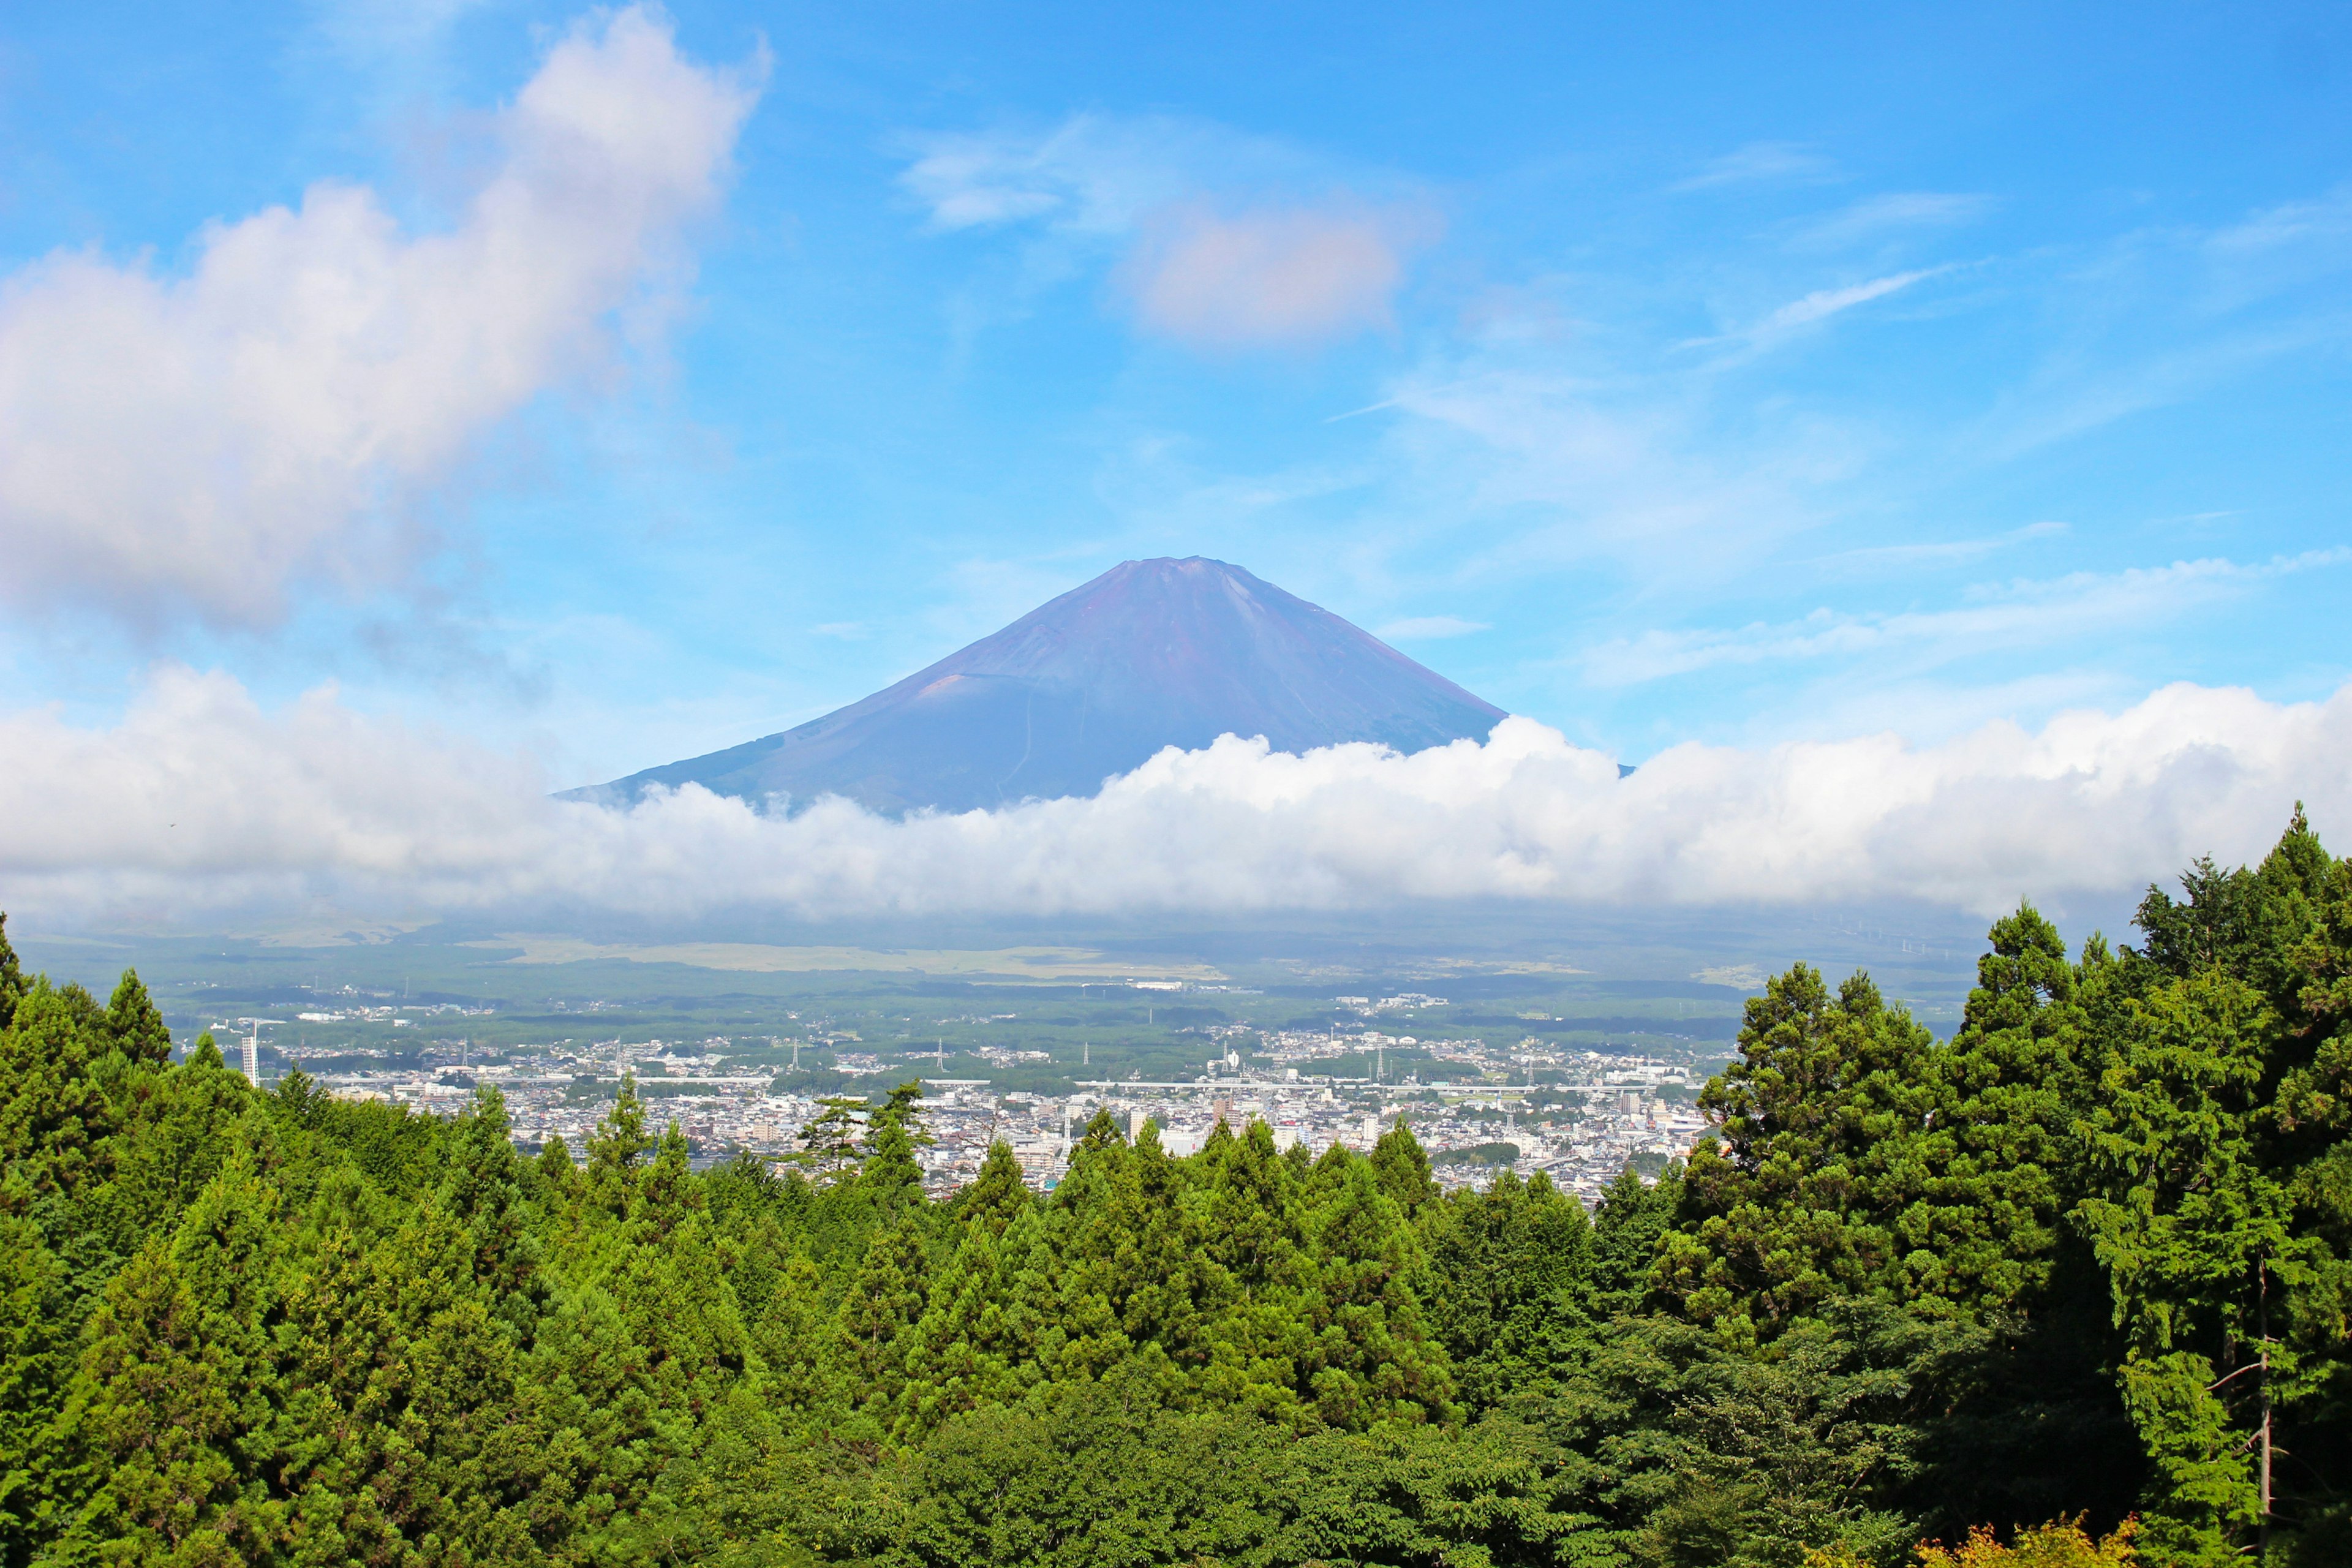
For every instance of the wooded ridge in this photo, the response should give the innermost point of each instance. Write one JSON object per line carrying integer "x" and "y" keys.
{"x": 2088, "y": 1262}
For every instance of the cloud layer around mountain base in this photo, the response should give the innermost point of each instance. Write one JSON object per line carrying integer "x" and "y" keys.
{"x": 201, "y": 801}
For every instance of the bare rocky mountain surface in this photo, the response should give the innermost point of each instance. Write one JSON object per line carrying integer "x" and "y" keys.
{"x": 1151, "y": 654}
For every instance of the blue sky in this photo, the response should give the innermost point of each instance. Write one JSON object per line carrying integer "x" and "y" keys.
{"x": 1662, "y": 374}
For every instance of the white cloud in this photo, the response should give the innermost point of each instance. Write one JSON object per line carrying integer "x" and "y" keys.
{"x": 1823, "y": 304}
{"x": 2024, "y": 612}
{"x": 1816, "y": 308}
{"x": 1876, "y": 216}
{"x": 1092, "y": 174}
{"x": 1270, "y": 277}
{"x": 1261, "y": 266}
{"x": 1423, "y": 628}
{"x": 199, "y": 444}
{"x": 1758, "y": 162}
{"x": 1574, "y": 462}
{"x": 2160, "y": 317}
{"x": 1934, "y": 552}
{"x": 199, "y": 800}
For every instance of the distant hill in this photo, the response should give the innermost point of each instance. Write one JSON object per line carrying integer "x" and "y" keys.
{"x": 1149, "y": 654}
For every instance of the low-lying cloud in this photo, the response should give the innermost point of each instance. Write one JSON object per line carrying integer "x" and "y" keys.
{"x": 192, "y": 445}
{"x": 201, "y": 801}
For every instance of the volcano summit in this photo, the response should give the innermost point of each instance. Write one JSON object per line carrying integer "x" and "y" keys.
{"x": 1151, "y": 654}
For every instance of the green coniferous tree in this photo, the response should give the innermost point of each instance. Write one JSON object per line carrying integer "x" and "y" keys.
{"x": 2217, "y": 1204}
{"x": 1373, "y": 1357}
{"x": 41, "y": 1322}
{"x": 57, "y": 1120}
{"x": 874, "y": 1328}
{"x": 890, "y": 1177}
{"x": 1818, "y": 1166}
{"x": 621, "y": 1139}
{"x": 829, "y": 1143}
{"x": 12, "y": 975}
{"x": 1510, "y": 1273}
{"x": 1402, "y": 1167}
{"x": 134, "y": 1025}
{"x": 181, "y": 1388}
{"x": 997, "y": 1195}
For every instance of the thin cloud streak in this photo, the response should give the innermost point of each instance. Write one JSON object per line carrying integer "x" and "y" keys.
{"x": 1934, "y": 552}
{"x": 1756, "y": 163}
{"x": 1816, "y": 308}
{"x": 2022, "y": 612}
{"x": 1875, "y": 217}
{"x": 1423, "y": 629}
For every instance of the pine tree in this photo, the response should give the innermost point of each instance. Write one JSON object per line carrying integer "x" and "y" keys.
{"x": 1402, "y": 1168}
{"x": 829, "y": 1143}
{"x": 1509, "y": 1272}
{"x": 12, "y": 975}
{"x": 996, "y": 1195}
{"x": 135, "y": 1026}
{"x": 57, "y": 1122}
{"x": 1820, "y": 1164}
{"x": 873, "y": 1329}
{"x": 890, "y": 1177}
{"x": 1373, "y": 1358}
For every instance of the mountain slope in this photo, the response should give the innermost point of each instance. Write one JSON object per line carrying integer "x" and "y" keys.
{"x": 1149, "y": 654}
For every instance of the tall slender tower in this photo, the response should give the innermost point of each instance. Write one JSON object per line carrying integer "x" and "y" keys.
{"x": 253, "y": 1052}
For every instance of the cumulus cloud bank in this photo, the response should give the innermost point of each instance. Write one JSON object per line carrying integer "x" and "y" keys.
{"x": 191, "y": 445}
{"x": 202, "y": 800}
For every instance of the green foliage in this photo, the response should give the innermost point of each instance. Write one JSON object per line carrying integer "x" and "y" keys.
{"x": 1818, "y": 1189}
{"x": 11, "y": 976}
{"x": 2075, "y": 1262}
{"x": 133, "y": 1024}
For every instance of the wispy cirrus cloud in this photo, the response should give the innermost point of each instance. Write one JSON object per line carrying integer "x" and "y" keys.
{"x": 2021, "y": 613}
{"x": 1551, "y": 464}
{"x": 2161, "y": 316}
{"x": 1428, "y": 628}
{"x": 1812, "y": 309}
{"x": 1933, "y": 552}
{"x": 1891, "y": 212}
{"x": 1091, "y": 174}
{"x": 1759, "y": 162}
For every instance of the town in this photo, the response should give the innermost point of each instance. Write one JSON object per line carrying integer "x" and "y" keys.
{"x": 1479, "y": 1106}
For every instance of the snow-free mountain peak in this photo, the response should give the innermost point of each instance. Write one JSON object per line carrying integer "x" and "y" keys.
{"x": 1151, "y": 654}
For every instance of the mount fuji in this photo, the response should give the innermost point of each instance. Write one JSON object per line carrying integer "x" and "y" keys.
{"x": 1151, "y": 654}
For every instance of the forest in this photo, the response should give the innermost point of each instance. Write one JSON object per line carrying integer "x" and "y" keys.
{"x": 2069, "y": 1287}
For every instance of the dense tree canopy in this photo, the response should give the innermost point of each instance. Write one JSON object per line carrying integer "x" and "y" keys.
{"x": 2088, "y": 1261}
